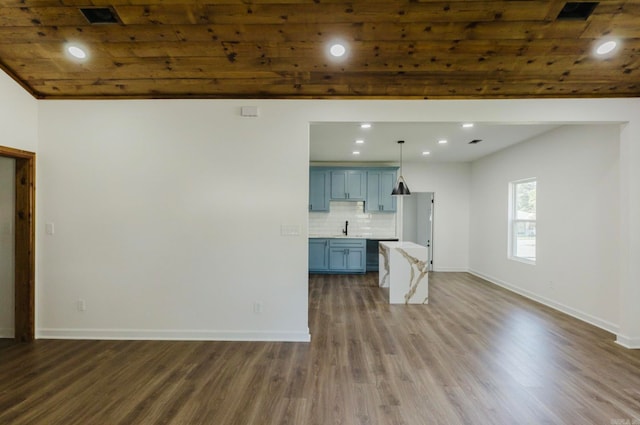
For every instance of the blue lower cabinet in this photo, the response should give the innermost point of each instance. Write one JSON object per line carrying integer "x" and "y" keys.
{"x": 372, "y": 255}
{"x": 318, "y": 255}
{"x": 337, "y": 255}
{"x": 337, "y": 259}
{"x": 356, "y": 259}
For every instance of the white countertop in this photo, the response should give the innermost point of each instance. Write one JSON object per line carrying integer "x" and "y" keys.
{"x": 402, "y": 245}
{"x": 403, "y": 269}
{"x": 350, "y": 237}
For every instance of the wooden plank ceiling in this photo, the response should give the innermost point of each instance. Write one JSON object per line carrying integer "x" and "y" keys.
{"x": 277, "y": 49}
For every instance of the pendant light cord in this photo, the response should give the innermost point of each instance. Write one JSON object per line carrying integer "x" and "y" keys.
{"x": 401, "y": 158}
{"x": 401, "y": 187}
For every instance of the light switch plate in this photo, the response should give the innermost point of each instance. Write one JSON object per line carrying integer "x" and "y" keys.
{"x": 49, "y": 229}
{"x": 290, "y": 230}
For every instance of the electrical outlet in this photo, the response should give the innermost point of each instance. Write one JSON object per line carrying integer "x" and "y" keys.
{"x": 257, "y": 307}
{"x": 81, "y": 305}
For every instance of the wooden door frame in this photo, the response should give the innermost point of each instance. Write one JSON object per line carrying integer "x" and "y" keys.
{"x": 25, "y": 246}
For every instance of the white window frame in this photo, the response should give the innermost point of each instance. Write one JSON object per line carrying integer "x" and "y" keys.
{"x": 513, "y": 222}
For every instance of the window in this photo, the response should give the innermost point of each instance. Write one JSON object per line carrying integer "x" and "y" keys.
{"x": 522, "y": 220}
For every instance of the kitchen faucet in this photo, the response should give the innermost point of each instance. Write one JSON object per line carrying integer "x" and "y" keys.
{"x": 345, "y": 231}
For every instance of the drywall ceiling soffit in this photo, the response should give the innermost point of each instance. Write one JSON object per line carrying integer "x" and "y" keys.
{"x": 336, "y": 142}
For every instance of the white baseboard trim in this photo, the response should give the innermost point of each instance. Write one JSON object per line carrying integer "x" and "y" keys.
{"x": 7, "y": 333}
{"x": 173, "y": 335}
{"x": 578, "y": 314}
{"x": 626, "y": 342}
{"x": 450, "y": 269}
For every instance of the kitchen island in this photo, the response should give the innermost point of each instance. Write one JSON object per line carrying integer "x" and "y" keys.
{"x": 403, "y": 268}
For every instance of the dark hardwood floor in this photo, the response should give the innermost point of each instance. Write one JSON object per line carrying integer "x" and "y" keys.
{"x": 477, "y": 354}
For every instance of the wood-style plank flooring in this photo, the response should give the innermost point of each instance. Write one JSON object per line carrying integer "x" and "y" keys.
{"x": 477, "y": 354}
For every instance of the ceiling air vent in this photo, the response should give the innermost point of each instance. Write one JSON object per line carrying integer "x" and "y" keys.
{"x": 474, "y": 141}
{"x": 579, "y": 10}
{"x": 100, "y": 15}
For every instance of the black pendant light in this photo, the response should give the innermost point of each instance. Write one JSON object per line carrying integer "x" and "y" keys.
{"x": 401, "y": 185}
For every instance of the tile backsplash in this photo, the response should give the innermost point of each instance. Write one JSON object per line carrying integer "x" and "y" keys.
{"x": 379, "y": 225}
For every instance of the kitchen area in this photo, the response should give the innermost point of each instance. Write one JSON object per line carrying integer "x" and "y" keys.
{"x": 353, "y": 228}
{"x": 350, "y": 210}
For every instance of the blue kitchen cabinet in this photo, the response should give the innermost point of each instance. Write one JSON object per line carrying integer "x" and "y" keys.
{"x": 337, "y": 255}
{"x": 350, "y": 185}
{"x": 380, "y": 184}
{"x": 319, "y": 190}
{"x": 318, "y": 255}
{"x": 347, "y": 255}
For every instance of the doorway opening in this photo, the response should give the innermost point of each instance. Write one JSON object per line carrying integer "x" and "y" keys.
{"x": 22, "y": 228}
{"x": 417, "y": 221}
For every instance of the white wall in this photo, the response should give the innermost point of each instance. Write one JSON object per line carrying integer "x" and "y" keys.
{"x": 167, "y": 220}
{"x": 629, "y": 334}
{"x": 18, "y": 116}
{"x": 147, "y": 198}
{"x": 7, "y": 240}
{"x": 577, "y": 171}
{"x": 450, "y": 183}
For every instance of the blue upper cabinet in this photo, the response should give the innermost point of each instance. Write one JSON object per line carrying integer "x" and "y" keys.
{"x": 373, "y": 185}
{"x": 348, "y": 185}
{"x": 379, "y": 187}
{"x": 372, "y": 203}
{"x": 319, "y": 188}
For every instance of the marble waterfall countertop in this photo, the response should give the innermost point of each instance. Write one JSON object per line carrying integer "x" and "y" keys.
{"x": 403, "y": 268}
{"x": 372, "y": 237}
{"x": 403, "y": 245}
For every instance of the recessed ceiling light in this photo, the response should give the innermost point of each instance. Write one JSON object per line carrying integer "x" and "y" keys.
{"x": 356, "y": 152}
{"x": 337, "y": 50}
{"x": 365, "y": 125}
{"x": 76, "y": 51}
{"x": 606, "y": 47}
{"x": 442, "y": 141}
{"x": 467, "y": 125}
{"x": 359, "y": 141}
{"x": 425, "y": 153}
